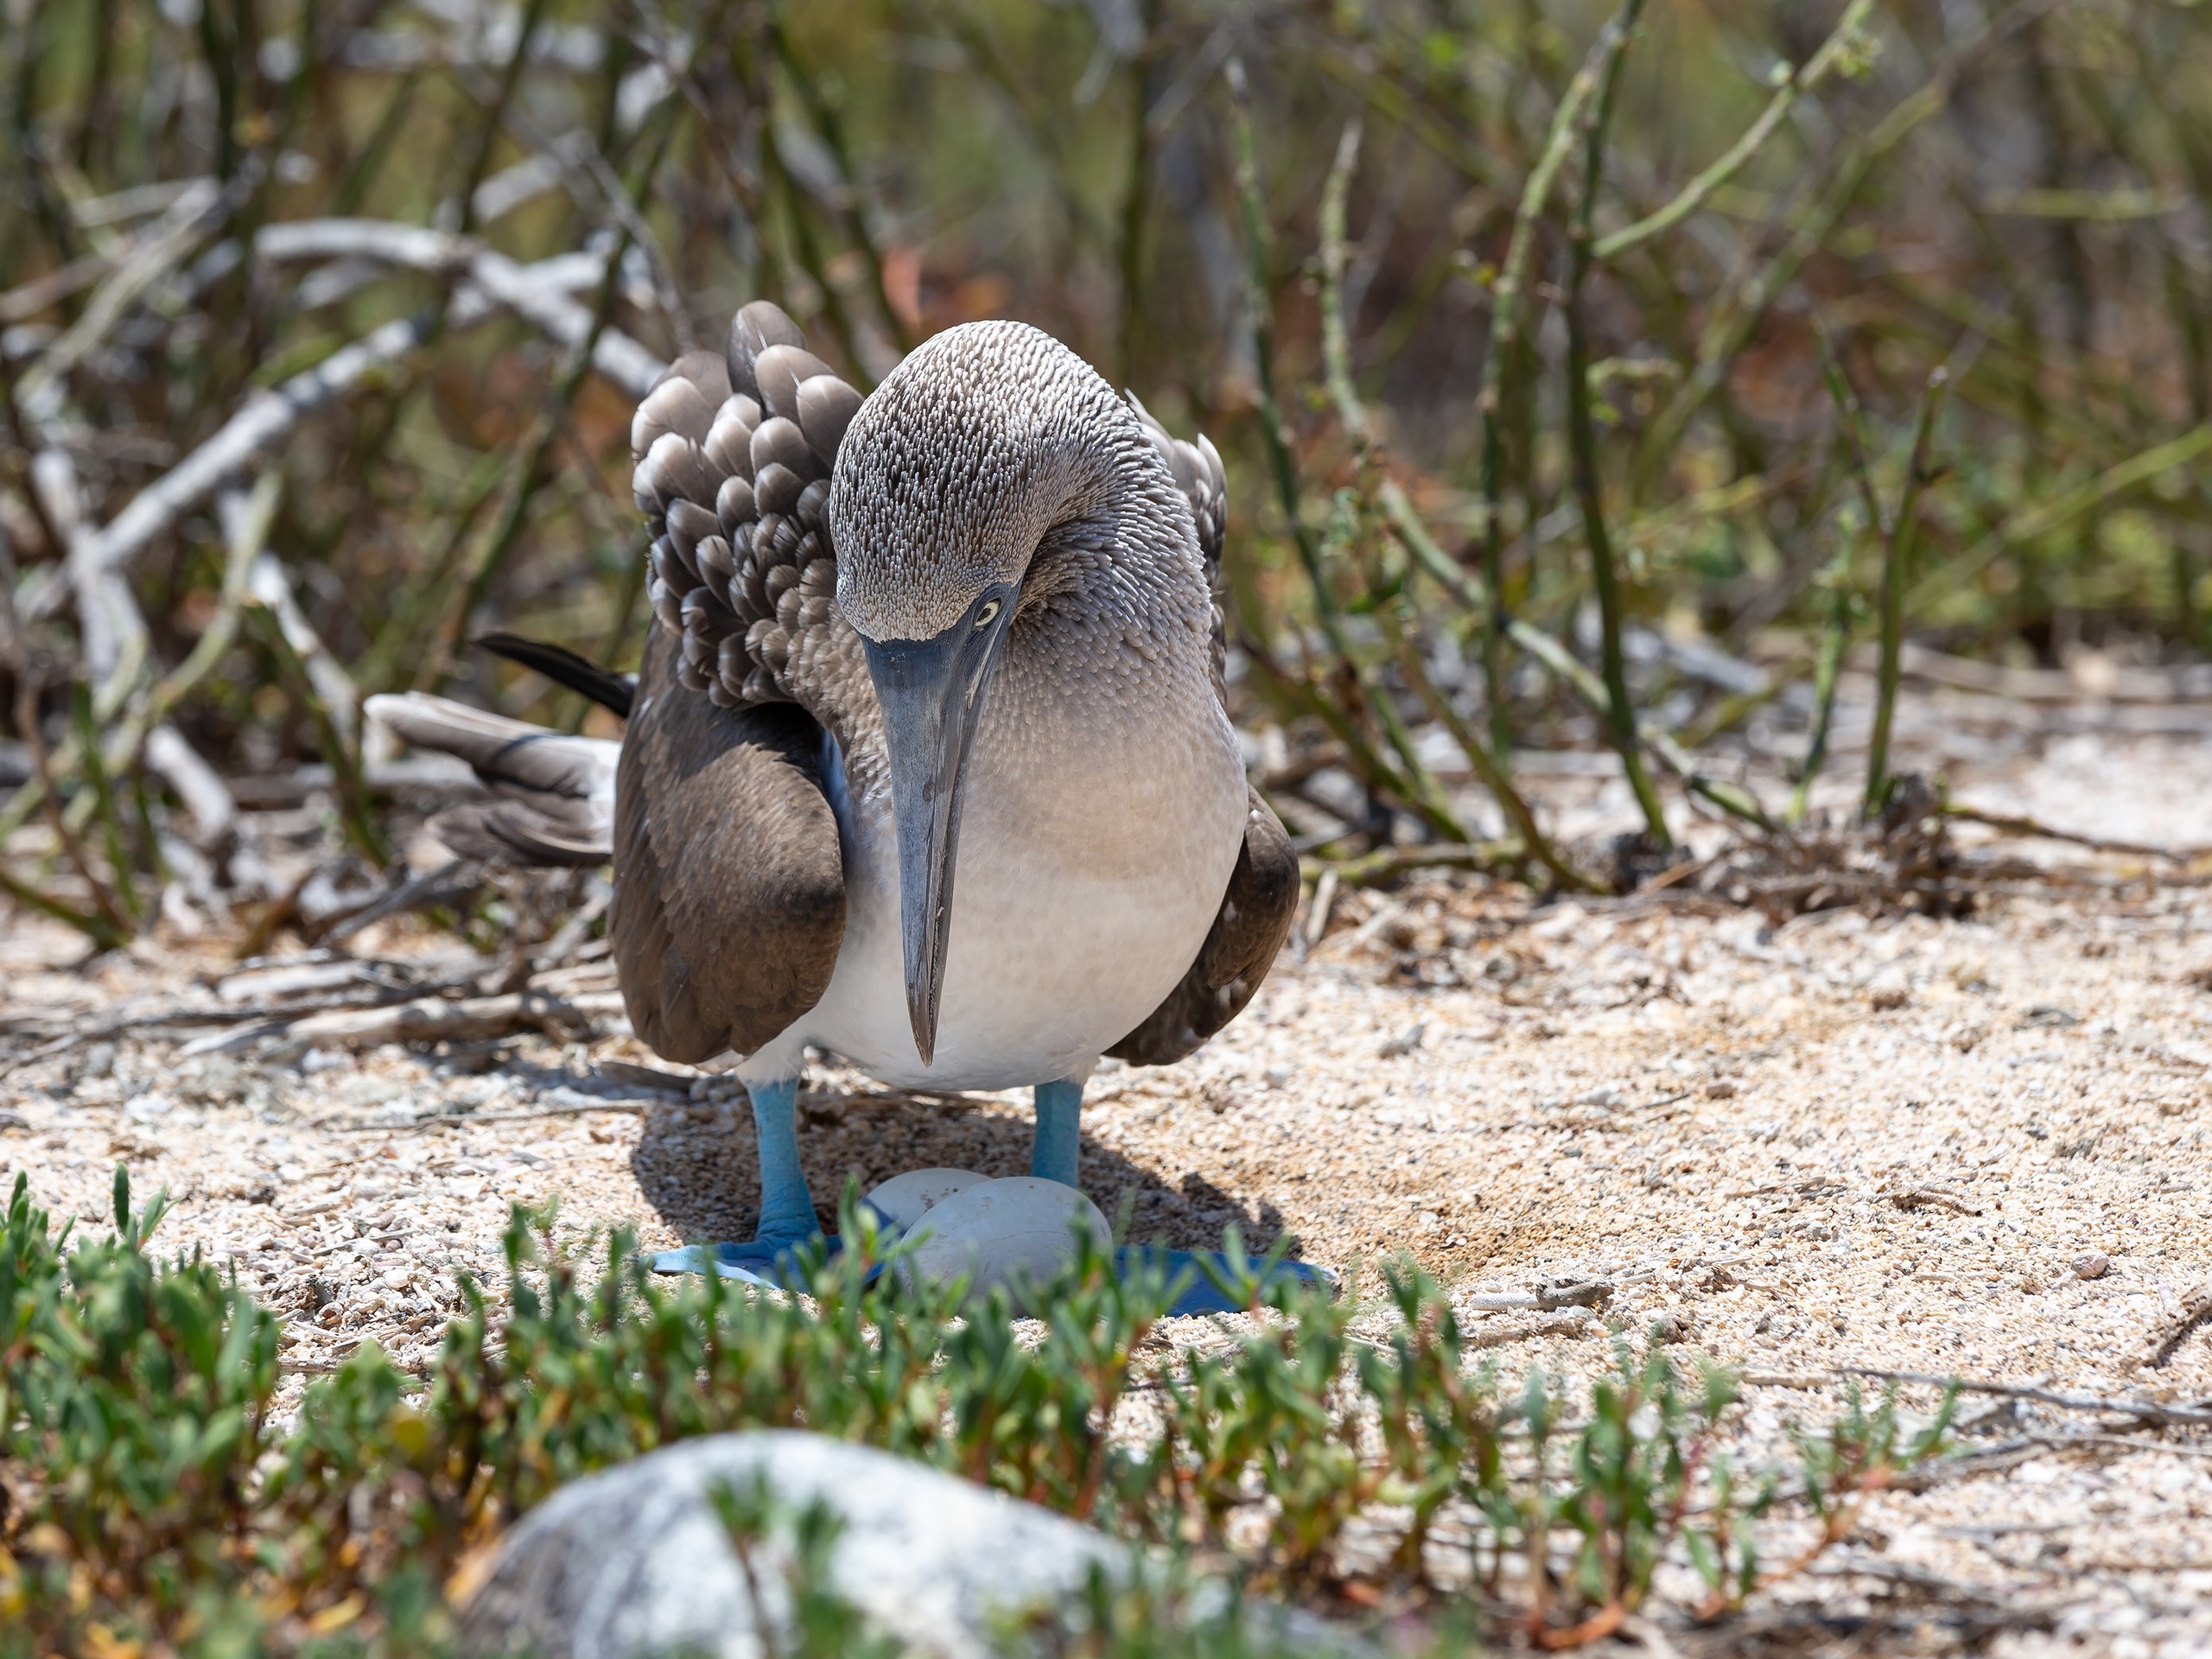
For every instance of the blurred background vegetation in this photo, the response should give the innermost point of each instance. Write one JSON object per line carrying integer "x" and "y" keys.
{"x": 1587, "y": 376}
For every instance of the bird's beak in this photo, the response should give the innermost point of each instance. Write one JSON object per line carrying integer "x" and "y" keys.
{"x": 931, "y": 693}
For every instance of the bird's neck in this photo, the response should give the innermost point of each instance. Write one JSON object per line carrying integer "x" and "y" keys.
{"x": 1115, "y": 599}
{"x": 1103, "y": 729}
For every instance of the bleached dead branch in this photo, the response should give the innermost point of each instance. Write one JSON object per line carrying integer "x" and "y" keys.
{"x": 539, "y": 294}
{"x": 113, "y": 629}
{"x": 191, "y": 218}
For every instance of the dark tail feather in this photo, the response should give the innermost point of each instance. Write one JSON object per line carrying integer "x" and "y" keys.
{"x": 564, "y": 667}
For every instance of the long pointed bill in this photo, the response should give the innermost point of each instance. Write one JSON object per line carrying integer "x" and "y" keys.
{"x": 931, "y": 692}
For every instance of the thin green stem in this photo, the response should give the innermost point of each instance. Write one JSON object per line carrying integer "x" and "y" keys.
{"x": 1393, "y": 612}
{"x": 1736, "y": 318}
{"x": 1845, "y": 43}
{"x": 1896, "y": 565}
{"x": 1827, "y": 673}
{"x": 1423, "y": 794}
{"x": 1505, "y": 325}
{"x": 1582, "y": 431}
{"x": 824, "y": 114}
{"x": 1282, "y": 465}
{"x": 487, "y": 135}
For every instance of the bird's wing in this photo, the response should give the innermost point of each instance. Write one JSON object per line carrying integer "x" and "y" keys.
{"x": 1197, "y": 473}
{"x": 729, "y": 890}
{"x": 733, "y": 452}
{"x": 552, "y": 795}
{"x": 1253, "y": 922}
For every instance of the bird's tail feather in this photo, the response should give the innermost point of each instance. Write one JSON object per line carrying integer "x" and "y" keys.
{"x": 552, "y": 795}
{"x": 564, "y": 667}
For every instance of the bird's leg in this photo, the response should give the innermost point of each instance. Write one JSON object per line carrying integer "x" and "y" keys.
{"x": 1059, "y": 1107}
{"x": 787, "y": 1207}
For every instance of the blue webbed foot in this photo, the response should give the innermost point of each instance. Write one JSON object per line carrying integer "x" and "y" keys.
{"x": 1217, "y": 1282}
{"x": 787, "y": 1207}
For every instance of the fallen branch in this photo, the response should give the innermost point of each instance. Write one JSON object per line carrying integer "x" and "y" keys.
{"x": 1564, "y": 1325}
{"x": 2148, "y": 1411}
{"x": 2019, "y": 824}
{"x": 1594, "y": 1292}
{"x": 2190, "y": 683}
{"x": 447, "y": 884}
{"x": 2120, "y": 1443}
{"x": 470, "y": 1019}
{"x": 2195, "y": 1312}
{"x": 1496, "y": 856}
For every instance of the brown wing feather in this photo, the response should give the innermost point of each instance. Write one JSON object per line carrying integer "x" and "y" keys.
{"x": 729, "y": 890}
{"x": 1253, "y": 921}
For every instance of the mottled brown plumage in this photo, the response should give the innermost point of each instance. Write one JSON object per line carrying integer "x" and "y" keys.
{"x": 733, "y": 459}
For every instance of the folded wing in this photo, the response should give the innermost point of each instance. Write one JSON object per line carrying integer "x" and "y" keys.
{"x": 729, "y": 889}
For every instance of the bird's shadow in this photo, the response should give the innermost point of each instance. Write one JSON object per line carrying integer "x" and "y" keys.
{"x": 698, "y": 1166}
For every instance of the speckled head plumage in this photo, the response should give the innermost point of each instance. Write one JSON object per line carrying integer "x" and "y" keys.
{"x": 986, "y": 441}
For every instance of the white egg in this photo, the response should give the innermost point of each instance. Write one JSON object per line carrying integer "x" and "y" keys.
{"x": 904, "y": 1199}
{"x": 1003, "y": 1232}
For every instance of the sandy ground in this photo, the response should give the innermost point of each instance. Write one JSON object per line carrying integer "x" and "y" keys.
{"x": 1971, "y": 1146}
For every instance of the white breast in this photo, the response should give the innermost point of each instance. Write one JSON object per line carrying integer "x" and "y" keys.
{"x": 1088, "y": 874}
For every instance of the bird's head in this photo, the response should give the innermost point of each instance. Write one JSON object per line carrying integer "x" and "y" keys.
{"x": 974, "y": 451}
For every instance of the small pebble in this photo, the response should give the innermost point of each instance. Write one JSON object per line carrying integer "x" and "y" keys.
{"x": 2095, "y": 1264}
{"x": 1404, "y": 1043}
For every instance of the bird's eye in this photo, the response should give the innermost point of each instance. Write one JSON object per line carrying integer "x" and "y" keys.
{"x": 986, "y": 614}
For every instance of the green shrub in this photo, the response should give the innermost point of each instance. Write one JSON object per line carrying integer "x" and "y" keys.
{"x": 156, "y": 1507}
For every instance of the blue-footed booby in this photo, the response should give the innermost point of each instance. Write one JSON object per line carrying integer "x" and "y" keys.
{"x": 927, "y": 762}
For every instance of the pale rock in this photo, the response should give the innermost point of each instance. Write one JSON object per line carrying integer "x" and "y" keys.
{"x": 636, "y": 1560}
